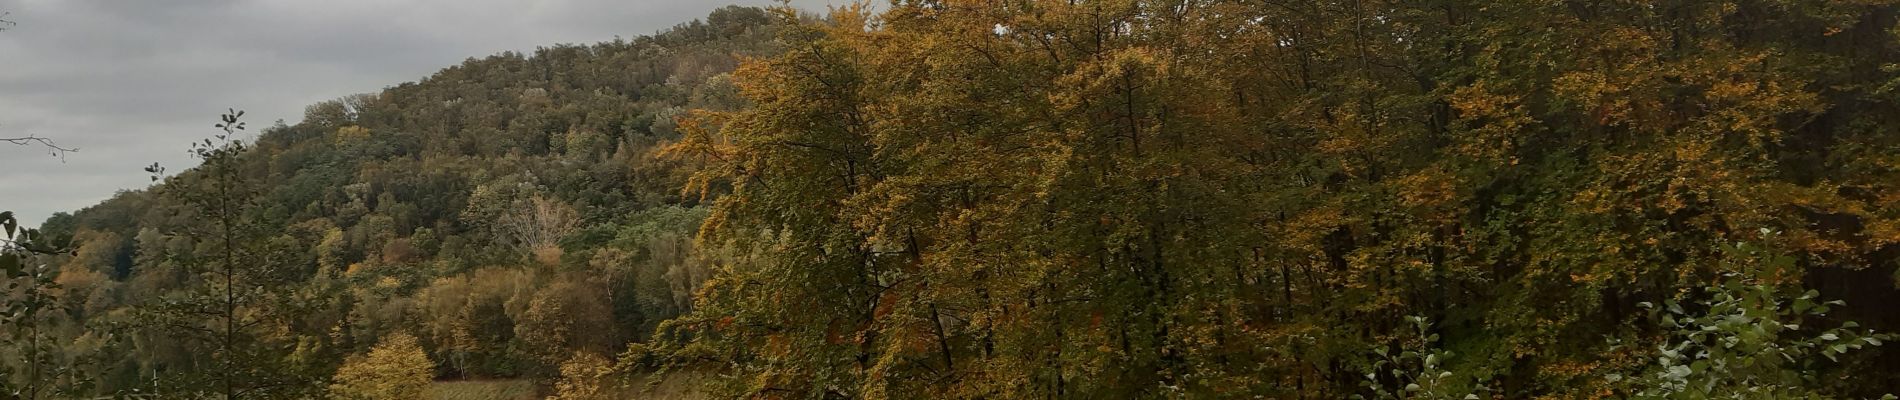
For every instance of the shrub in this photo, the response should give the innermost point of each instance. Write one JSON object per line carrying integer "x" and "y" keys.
{"x": 396, "y": 369}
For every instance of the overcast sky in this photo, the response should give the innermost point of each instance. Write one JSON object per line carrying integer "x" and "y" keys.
{"x": 132, "y": 82}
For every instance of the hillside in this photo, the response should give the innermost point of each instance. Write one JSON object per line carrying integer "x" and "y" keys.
{"x": 507, "y": 211}
{"x": 1046, "y": 199}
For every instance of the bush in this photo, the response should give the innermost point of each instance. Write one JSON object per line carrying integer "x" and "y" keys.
{"x": 396, "y": 369}
{"x": 587, "y": 376}
{"x": 1744, "y": 337}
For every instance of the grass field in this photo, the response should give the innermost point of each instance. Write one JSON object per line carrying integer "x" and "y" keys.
{"x": 518, "y": 389}
{"x": 678, "y": 386}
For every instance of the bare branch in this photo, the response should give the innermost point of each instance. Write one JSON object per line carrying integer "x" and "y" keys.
{"x": 52, "y": 148}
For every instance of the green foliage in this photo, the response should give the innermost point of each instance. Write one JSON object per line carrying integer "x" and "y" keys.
{"x": 1417, "y": 371}
{"x": 586, "y": 376}
{"x": 1151, "y": 199}
{"x": 443, "y": 207}
{"x": 239, "y": 292}
{"x": 1060, "y": 199}
{"x": 30, "y": 314}
{"x": 1745, "y": 337}
{"x": 567, "y": 316}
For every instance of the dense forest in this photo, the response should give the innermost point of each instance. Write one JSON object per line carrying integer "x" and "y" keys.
{"x": 1439, "y": 199}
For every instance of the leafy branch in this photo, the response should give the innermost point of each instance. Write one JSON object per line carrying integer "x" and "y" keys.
{"x": 1419, "y": 371}
{"x": 30, "y": 287}
{"x": 1744, "y": 337}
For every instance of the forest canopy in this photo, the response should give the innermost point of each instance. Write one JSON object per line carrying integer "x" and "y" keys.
{"x": 1037, "y": 199}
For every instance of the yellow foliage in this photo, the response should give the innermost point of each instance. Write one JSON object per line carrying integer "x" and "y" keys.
{"x": 351, "y": 133}
{"x": 586, "y": 376}
{"x": 548, "y": 255}
{"x": 396, "y": 369}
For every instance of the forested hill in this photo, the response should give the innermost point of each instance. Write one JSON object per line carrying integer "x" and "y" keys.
{"x": 507, "y": 212}
{"x": 1049, "y": 199}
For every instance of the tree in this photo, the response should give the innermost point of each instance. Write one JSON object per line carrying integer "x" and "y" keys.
{"x": 396, "y": 369}
{"x": 28, "y": 311}
{"x": 567, "y": 315}
{"x": 468, "y": 319}
{"x": 239, "y": 295}
{"x": 345, "y": 187}
{"x": 1087, "y": 199}
{"x": 1132, "y": 198}
{"x": 537, "y": 225}
{"x": 586, "y": 376}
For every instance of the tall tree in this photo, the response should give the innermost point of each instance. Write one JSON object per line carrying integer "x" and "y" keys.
{"x": 238, "y": 294}
{"x": 26, "y": 300}
{"x": 1164, "y": 198}
{"x": 28, "y": 312}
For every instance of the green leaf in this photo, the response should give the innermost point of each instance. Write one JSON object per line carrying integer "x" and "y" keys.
{"x": 10, "y": 263}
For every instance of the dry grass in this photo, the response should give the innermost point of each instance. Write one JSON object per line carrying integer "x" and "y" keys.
{"x": 675, "y": 386}
{"x": 517, "y": 389}
{"x": 679, "y": 385}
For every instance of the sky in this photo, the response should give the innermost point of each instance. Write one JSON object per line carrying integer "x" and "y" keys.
{"x": 133, "y": 82}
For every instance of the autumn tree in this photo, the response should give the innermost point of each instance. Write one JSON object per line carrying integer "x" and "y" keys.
{"x": 238, "y": 297}
{"x": 413, "y": 209}
{"x": 1077, "y": 199}
{"x": 30, "y": 306}
{"x": 396, "y": 369}
{"x": 586, "y": 376}
{"x": 469, "y": 321}
{"x": 568, "y": 315}
{"x": 537, "y": 224}
{"x": 1144, "y": 198}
